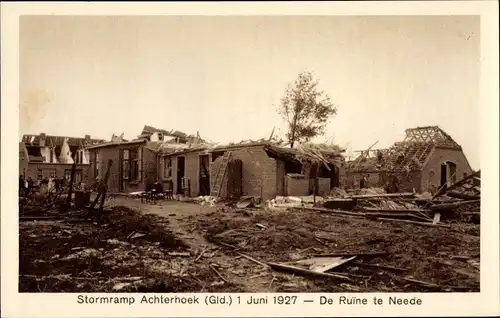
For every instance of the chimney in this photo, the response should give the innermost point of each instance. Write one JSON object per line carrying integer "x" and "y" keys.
{"x": 87, "y": 137}
{"x": 43, "y": 137}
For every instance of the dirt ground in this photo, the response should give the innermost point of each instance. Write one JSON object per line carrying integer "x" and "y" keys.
{"x": 189, "y": 247}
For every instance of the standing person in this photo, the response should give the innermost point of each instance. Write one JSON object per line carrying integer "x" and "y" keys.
{"x": 21, "y": 186}
{"x": 365, "y": 178}
{"x": 29, "y": 185}
{"x": 362, "y": 182}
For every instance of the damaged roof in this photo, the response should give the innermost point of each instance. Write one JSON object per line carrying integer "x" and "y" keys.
{"x": 169, "y": 148}
{"x": 118, "y": 143}
{"x": 57, "y": 141}
{"x": 308, "y": 152}
{"x": 410, "y": 154}
{"x": 149, "y": 130}
{"x": 315, "y": 153}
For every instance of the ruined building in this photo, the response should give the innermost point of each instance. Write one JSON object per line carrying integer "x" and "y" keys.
{"x": 135, "y": 162}
{"x": 43, "y": 156}
{"x": 425, "y": 160}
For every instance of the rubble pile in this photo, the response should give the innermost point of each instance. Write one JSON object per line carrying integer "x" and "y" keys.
{"x": 206, "y": 200}
{"x": 123, "y": 251}
{"x": 293, "y": 202}
{"x": 458, "y": 202}
{"x": 306, "y": 250}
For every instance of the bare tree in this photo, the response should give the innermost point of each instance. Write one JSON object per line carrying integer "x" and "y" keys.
{"x": 305, "y": 109}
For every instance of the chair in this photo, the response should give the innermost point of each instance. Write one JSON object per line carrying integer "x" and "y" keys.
{"x": 169, "y": 191}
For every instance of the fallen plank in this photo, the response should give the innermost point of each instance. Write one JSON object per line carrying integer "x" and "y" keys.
{"x": 182, "y": 254}
{"x": 225, "y": 244}
{"x": 415, "y": 222}
{"x": 465, "y": 196}
{"x": 218, "y": 274}
{"x": 447, "y": 206}
{"x": 346, "y": 216}
{"x": 382, "y": 266}
{"x": 350, "y": 275}
{"x": 420, "y": 282}
{"x": 332, "y": 211}
{"x": 322, "y": 264}
{"x": 396, "y": 215}
{"x": 457, "y": 184}
{"x": 351, "y": 254}
{"x": 253, "y": 260}
{"x": 60, "y": 277}
{"x": 304, "y": 272}
{"x": 432, "y": 285}
{"x": 201, "y": 254}
{"x": 39, "y": 218}
{"x": 437, "y": 218}
{"x": 383, "y": 195}
{"x": 467, "y": 273}
{"x": 394, "y": 211}
{"x": 332, "y": 266}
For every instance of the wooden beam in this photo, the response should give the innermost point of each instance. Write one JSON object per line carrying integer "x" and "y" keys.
{"x": 437, "y": 218}
{"x": 383, "y": 195}
{"x": 395, "y": 211}
{"x": 342, "y": 254}
{"x": 447, "y": 206}
{"x": 459, "y": 195}
{"x": 453, "y": 186}
{"x": 303, "y": 271}
{"x": 415, "y": 222}
{"x": 333, "y": 211}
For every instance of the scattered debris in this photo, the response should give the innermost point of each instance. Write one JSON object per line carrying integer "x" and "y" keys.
{"x": 261, "y": 226}
{"x": 303, "y": 271}
{"x": 182, "y": 254}
{"x": 134, "y": 235}
{"x": 124, "y": 250}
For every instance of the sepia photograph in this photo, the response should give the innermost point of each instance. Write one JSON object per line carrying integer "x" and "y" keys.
{"x": 249, "y": 154}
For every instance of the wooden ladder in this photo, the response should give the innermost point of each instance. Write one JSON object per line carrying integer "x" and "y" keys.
{"x": 221, "y": 173}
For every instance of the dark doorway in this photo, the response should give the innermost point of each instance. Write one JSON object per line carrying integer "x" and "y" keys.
{"x": 443, "y": 174}
{"x": 180, "y": 175}
{"x": 204, "y": 175}
{"x": 334, "y": 177}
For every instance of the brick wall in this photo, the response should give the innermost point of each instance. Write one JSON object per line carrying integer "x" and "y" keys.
{"x": 413, "y": 181}
{"x": 149, "y": 168}
{"x": 379, "y": 180}
{"x": 191, "y": 171}
{"x": 259, "y": 172}
{"x": 105, "y": 154}
{"x": 431, "y": 174}
{"x": 323, "y": 186}
{"x": 53, "y": 169}
{"x": 352, "y": 179}
{"x": 296, "y": 185}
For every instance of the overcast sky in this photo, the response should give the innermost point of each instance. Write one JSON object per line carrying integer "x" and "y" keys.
{"x": 223, "y": 76}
